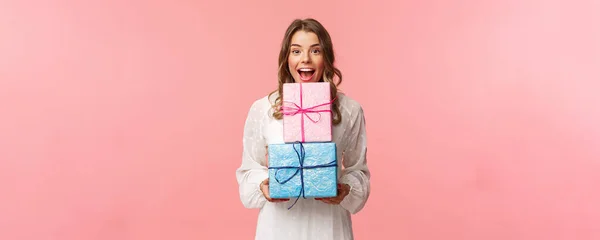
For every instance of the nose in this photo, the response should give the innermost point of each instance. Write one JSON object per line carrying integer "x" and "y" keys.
{"x": 306, "y": 57}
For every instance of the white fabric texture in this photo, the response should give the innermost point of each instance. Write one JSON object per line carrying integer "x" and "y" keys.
{"x": 309, "y": 218}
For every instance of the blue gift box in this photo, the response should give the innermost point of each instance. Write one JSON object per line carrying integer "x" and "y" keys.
{"x": 306, "y": 170}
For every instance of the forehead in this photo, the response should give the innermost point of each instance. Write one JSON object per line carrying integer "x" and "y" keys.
{"x": 304, "y": 38}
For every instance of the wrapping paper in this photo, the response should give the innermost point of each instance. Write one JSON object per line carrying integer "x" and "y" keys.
{"x": 286, "y": 178}
{"x": 307, "y": 112}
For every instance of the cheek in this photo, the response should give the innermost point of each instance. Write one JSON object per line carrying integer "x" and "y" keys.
{"x": 321, "y": 66}
{"x": 291, "y": 64}
{"x": 319, "y": 61}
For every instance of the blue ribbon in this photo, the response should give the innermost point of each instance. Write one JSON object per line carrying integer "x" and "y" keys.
{"x": 300, "y": 170}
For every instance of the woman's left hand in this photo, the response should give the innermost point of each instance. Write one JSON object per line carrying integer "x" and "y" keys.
{"x": 342, "y": 191}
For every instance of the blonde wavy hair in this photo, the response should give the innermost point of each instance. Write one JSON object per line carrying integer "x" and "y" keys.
{"x": 330, "y": 71}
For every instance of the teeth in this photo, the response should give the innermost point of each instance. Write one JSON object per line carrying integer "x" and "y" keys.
{"x": 306, "y": 70}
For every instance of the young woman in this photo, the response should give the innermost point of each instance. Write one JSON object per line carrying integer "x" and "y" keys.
{"x": 306, "y": 56}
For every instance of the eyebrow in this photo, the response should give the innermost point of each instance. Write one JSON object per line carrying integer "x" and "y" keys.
{"x": 298, "y": 45}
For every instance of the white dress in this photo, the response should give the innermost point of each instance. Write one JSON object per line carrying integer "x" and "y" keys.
{"x": 308, "y": 218}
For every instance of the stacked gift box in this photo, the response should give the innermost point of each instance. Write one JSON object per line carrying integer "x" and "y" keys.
{"x": 305, "y": 165}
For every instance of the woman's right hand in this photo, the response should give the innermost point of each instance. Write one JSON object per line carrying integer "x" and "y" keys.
{"x": 264, "y": 188}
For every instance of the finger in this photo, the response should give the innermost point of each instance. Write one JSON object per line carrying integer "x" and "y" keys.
{"x": 321, "y": 198}
{"x": 278, "y": 199}
{"x": 326, "y": 200}
{"x": 336, "y": 200}
{"x": 265, "y": 183}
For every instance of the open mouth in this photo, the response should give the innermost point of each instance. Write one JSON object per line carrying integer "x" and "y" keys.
{"x": 306, "y": 74}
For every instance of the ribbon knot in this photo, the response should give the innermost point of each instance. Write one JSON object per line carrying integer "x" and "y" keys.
{"x": 304, "y": 111}
{"x": 299, "y": 170}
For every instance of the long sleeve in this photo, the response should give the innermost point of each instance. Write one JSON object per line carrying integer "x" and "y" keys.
{"x": 253, "y": 168}
{"x": 355, "y": 172}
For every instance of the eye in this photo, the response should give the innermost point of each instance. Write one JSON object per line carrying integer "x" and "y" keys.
{"x": 316, "y": 51}
{"x": 295, "y": 51}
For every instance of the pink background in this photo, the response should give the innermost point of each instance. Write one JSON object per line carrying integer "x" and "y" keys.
{"x": 482, "y": 117}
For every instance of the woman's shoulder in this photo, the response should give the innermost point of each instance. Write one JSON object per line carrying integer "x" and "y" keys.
{"x": 263, "y": 103}
{"x": 349, "y": 105}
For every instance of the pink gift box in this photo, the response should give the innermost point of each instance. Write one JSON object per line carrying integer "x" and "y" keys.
{"x": 306, "y": 112}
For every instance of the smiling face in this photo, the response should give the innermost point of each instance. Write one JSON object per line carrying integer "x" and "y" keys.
{"x": 305, "y": 59}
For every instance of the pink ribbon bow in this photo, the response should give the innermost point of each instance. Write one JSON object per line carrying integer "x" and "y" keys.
{"x": 299, "y": 109}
